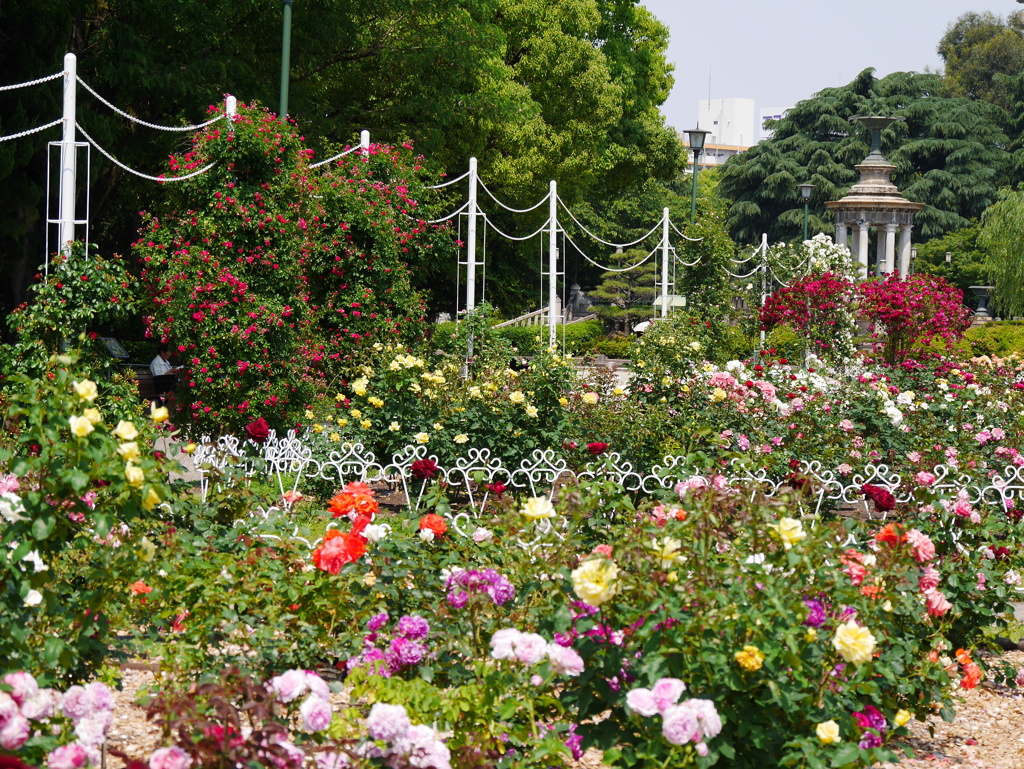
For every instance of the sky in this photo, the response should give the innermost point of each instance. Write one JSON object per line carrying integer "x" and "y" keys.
{"x": 780, "y": 52}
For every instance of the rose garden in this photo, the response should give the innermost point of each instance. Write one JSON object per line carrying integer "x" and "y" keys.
{"x": 344, "y": 542}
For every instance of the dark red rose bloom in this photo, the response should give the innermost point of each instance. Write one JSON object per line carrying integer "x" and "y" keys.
{"x": 424, "y": 469}
{"x": 497, "y": 489}
{"x": 258, "y": 431}
{"x": 881, "y": 497}
{"x": 597, "y": 448}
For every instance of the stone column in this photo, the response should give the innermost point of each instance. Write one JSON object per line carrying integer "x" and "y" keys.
{"x": 862, "y": 248}
{"x": 880, "y": 251}
{"x": 905, "y": 243}
{"x": 890, "y": 248}
{"x": 842, "y": 234}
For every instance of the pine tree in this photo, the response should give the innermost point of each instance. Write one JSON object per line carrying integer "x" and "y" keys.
{"x": 625, "y": 298}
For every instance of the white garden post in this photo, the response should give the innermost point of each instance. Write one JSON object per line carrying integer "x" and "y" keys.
{"x": 552, "y": 262}
{"x": 664, "y": 262}
{"x": 471, "y": 241}
{"x": 764, "y": 281}
{"x": 364, "y": 142}
{"x": 68, "y": 165}
{"x": 230, "y": 108}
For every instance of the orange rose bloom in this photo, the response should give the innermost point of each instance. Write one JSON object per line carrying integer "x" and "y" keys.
{"x": 435, "y": 523}
{"x": 366, "y": 506}
{"x": 891, "y": 534}
{"x": 972, "y": 676}
{"x": 342, "y": 504}
{"x": 140, "y": 587}
{"x": 337, "y": 549}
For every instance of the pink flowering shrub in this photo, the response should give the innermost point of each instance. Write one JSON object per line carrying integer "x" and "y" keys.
{"x": 910, "y": 312}
{"x": 819, "y": 308}
{"x": 267, "y": 276}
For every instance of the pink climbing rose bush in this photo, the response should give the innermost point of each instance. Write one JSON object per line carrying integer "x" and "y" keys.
{"x": 818, "y": 307}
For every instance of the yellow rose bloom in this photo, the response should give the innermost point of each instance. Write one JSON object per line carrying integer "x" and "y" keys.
{"x": 902, "y": 717}
{"x": 589, "y": 398}
{"x": 86, "y": 390}
{"x": 618, "y": 391}
{"x": 376, "y": 402}
{"x": 334, "y": 437}
{"x": 474, "y": 392}
{"x": 190, "y": 448}
{"x": 666, "y": 551}
{"x": 80, "y": 426}
{"x": 151, "y": 500}
{"x": 394, "y": 427}
{"x": 751, "y": 658}
{"x": 536, "y": 508}
{"x": 160, "y": 414}
{"x": 359, "y": 386}
{"x": 718, "y": 395}
{"x": 828, "y": 732}
{"x": 93, "y": 415}
{"x": 421, "y": 437}
{"x": 318, "y": 428}
{"x": 461, "y": 438}
{"x": 810, "y": 635}
{"x": 355, "y": 413}
{"x": 563, "y": 401}
{"x": 790, "y": 531}
{"x": 134, "y": 475}
{"x": 339, "y": 397}
{"x": 366, "y": 424}
{"x": 126, "y": 431}
{"x": 309, "y": 414}
{"x": 516, "y": 396}
{"x": 855, "y": 644}
{"x": 129, "y": 451}
{"x": 531, "y": 411}
{"x": 342, "y": 422}
{"x": 594, "y": 582}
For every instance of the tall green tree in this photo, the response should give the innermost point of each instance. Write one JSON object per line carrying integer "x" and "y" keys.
{"x": 626, "y": 294}
{"x": 1001, "y": 229}
{"x": 978, "y": 49}
{"x": 950, "y": 154}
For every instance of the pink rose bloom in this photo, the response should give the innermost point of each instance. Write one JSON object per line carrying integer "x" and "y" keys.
{"x": 666, "y": 692}
{"x": 8, "y": 708}
{"x": 924, "y": 548}
{"x": 981, "y": 581}
{"x": 530, "y": 648}
{"x": 694, "y": 483}
{"x": 329, "y": 759}
{"x": 316, "y": 713}
{"x": 100, "y": 696}
{"x": 718, "y": 482}
{"x": 1020, "y": 677}
{"x": 680, "y": 724}
{"x": 929, "y": 580}
{"x": 998, "y": 433}
{"x": 564, "y": 660}
{"x": 91, "y": 731}
{"x": 15, "y": 733}
{"x": 45, "y": 704}
{"x": 605, "y": 550}
{"x": 844, "y": 469}
{"x": 659, "y": 515}
{"x": 846, "y": 426}
{"x": 767, "y": 390}
{"x": 936, "y": 603}
{"x": 23, "y": 686}
{"x": 924, "y": 478}
{"x": 387, "y": 722}
{"x": 642, "y": 701}
{"x": 71, "y": 756}
{"x": 290, "y": 685}
{"x": 77, "y": 703}
{"x": 503, "y": 643}
{"x": 914, "y": 456}
{"x": 168, "y": 758}
{"x": 743, "y": 442}
{"x": 317, "y": 685}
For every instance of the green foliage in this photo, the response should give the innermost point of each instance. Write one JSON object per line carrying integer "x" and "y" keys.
{"x": 949, "y": 153}
{"x": 996, "y": 338}
{"x": 978, "y": 49}
{"x": 624, "y": 298}
{"x": 966, "y": 266}
{"x": 1000, "y": 238}
{"x": 71, "y": 526}
{"x": 577, "y": 339}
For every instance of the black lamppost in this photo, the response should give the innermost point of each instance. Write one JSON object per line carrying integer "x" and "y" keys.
{"x": 805, "y": 193}
{"x": 695, "y": 138}
{"x": 286, "y": 55}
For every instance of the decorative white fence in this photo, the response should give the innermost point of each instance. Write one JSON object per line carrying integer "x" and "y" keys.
{"x": 290, "y": 463}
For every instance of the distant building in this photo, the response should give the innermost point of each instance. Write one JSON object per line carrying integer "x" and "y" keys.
{"x": 770, "y": 113}
{"x": 732, "y": 127}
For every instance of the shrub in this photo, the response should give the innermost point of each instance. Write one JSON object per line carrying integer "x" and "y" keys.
{"x": 817, "y": 306}
{"x": 999, "y": 338}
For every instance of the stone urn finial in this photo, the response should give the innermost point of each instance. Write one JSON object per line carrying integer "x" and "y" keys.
{"x": 875, "y": 123}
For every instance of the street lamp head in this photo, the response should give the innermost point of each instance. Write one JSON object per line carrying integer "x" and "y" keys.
{"x": 805, "y": 189}
{"x": 695, "y": 138}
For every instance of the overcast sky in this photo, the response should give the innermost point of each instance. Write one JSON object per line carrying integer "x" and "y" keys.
{"x": 780, "y": 52}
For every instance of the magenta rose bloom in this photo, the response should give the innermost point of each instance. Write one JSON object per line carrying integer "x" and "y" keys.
{"x": 424, "y": 469}
{"x": 258, "y": 431}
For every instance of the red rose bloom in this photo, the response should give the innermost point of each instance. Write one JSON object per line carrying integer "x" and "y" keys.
{"x": 597, "y": 448}
{"x": 434, "y": 523}
{"x": 497, "y": 489}
{"x": 424, "y": 469}
{"x": 258, "y": 431}
{"x": 882, "y": 498}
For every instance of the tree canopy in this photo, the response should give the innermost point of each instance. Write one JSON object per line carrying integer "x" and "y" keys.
{"x": 978, "y": 49}
{"x": 950, "y": 153}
